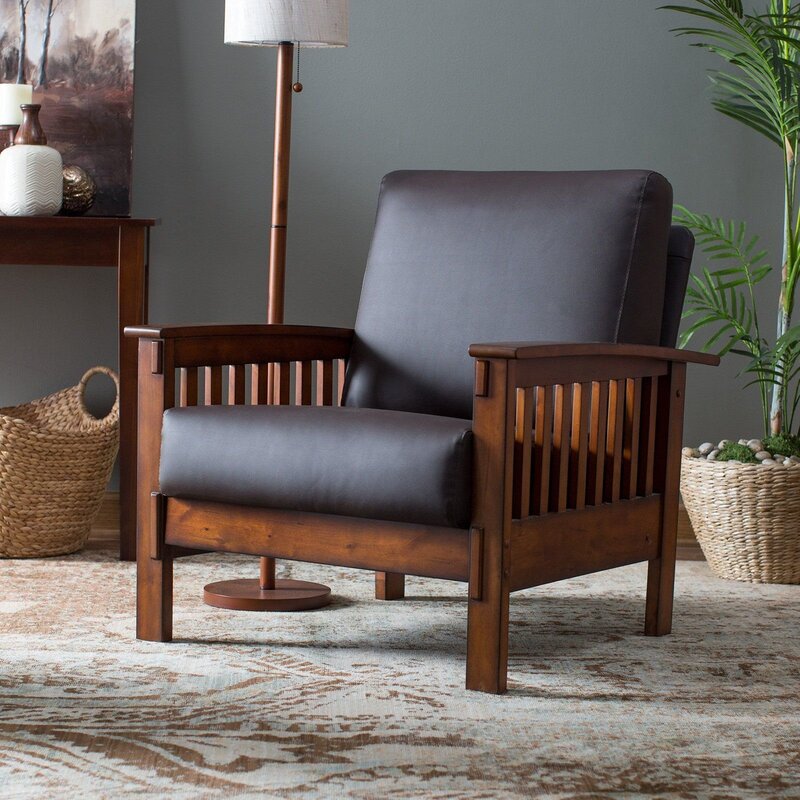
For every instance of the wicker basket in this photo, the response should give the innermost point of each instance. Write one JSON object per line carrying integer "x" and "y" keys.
{"x": 55, "y": 462}
{"x": 746, "y": 518}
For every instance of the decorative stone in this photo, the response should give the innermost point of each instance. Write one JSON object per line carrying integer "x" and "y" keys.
{"x": 705, "y": 448}
{"x": 712, "y": 456}
{"x": 722, "y": 443}
{"x": 779, "y": 458}
{"x": 690, "y": 452}
{"x": 79, "y": 191}
{"x": 756, "y": 445}
{"x": 794, "y": 459}
{"x": 769, "y": 462}
{"x": 743, "y": 441}
{"x": 762, "y": 454}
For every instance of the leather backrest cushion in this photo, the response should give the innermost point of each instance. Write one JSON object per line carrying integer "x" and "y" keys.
{"x": 463, "y": 257}
{"x": 679, "y": 262}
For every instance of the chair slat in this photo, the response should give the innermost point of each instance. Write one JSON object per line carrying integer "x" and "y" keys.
{"x": 616, "y": 417}
{"x": 579, "y": 445}
{"x": 236, "y": 384}
{"x": 213, "y": 386}
{"x": 302, "y": 385}
{"x": 259, "y": 385}
{"x": 559, "y": 471}
{"x": 324, "y": 395}
{"x": 340, "y": 372}
{"x": 595, "y": 477}
{"x": 543, "y": 441}
{"x": 630, "y": 445}
{"x": 523, "y": 435}
{"x": 188, "y": 387}
{"x": 283, "y": 383}
{"x": 647, "y": 441}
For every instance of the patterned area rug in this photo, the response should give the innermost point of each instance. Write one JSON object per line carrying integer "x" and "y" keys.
{"x": 365, "y": 699}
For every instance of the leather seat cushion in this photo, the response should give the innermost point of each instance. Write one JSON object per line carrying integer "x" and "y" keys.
{"x": 379, "y": 464}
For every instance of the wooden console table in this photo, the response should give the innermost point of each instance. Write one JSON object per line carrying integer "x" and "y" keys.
{"x": 119, "y": 242}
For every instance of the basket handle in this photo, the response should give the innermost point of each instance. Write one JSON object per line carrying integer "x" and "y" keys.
{"x": 87, "y": 376}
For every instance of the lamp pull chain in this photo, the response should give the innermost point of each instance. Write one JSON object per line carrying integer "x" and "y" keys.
{"x": 298, "y": 87}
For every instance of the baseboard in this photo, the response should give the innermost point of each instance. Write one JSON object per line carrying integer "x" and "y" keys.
{"x": 106, "y": 527}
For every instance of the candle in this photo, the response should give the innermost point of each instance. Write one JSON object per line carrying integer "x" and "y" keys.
{"x": 12, "y": 96}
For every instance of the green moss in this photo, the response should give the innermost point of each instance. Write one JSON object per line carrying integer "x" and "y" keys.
{"x": 783, "y": 444}
{"x": 737, "y": 452}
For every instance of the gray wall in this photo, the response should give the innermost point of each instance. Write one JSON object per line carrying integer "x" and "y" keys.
{"x": 461, "y": 84}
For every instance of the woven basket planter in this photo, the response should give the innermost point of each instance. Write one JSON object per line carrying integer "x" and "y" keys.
{"x": 746, "y": 518}
{"x": 55, "y": 462}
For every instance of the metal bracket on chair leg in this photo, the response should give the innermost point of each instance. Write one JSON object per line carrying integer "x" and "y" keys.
{"x": 476, "y": 564}
{"x": 158, "y": 507}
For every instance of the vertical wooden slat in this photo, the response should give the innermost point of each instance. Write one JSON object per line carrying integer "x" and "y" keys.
{"x": 630, "y": 444}
{"x": 283, "y": 383}
{"x": 302, "y": 386}
{"x": 324, "y": 383}
{"x": 188, "y": 393}
{"x": 579, "y": 445}
{"x": 236, "y": 384}
{"x": 597, "y": 444}
{"x": 559, "y": 470}
{"x": 543, "y": 444}
{"x": 213, "y": 386}
{"x": 647, "y": 439}
{"x": 616, "y": 415}
{"x": 522, "y": 454}
{"x": 340, "y": 369}
{"x": 259, "y": 383}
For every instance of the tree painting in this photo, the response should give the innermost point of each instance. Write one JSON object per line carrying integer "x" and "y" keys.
{"x": 52, "y": 7}
{"x": 23, "y": 37}
{"x": 78, "y": 55}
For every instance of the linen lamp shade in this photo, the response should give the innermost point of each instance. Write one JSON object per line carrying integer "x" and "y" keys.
{"x": 311, "y": 23}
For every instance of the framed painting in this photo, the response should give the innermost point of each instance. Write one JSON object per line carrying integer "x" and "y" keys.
{"x": 79, "y": 57}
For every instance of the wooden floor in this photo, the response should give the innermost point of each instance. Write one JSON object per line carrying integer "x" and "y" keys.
{"x": 106, "y": 530}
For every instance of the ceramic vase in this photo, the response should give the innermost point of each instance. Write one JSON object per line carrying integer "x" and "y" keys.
{"x": 31, "y": 182}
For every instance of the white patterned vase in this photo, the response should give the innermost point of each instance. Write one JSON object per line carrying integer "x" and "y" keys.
{"x": 31, "y": 181}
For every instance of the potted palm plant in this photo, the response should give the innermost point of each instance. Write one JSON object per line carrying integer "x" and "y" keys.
{"x": 743, "y": 497}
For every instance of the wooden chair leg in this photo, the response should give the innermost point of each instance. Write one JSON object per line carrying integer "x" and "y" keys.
{"x": 660, "y": 591}
{"x": 390, "y": 586}
{"x": 153, "y": 597}
{"x": 487, "y": 634}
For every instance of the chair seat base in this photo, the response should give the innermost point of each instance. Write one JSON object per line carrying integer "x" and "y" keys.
{"x": 246, "y": 594}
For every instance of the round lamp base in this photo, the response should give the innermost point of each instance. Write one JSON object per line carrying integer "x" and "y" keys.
{"x": 246, "y": 594}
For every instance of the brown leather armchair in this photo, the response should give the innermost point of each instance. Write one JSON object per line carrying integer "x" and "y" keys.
{"x": 410, "y": 449}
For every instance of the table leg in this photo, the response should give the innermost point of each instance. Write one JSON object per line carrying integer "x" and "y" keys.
{"x": 132, "y": 305}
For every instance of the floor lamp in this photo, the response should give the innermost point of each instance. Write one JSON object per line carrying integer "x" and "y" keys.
{"x": 283, "y": 24}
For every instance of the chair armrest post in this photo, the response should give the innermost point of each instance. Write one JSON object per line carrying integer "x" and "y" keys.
{"x": 154, "y": 562}
{"x": 493, "y": 429}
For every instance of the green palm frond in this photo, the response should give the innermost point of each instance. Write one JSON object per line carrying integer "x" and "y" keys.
{"x": 764, "y": 51}
{"x": 759, "y": 86}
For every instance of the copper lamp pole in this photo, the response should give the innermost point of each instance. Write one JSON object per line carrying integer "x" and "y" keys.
{"x": 280, "y": 216}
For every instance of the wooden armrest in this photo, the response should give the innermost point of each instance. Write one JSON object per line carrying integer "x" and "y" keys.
{"x": 194, "y": 331}
{"x": 220, "y": 345}
{"x": 517, "y": 351}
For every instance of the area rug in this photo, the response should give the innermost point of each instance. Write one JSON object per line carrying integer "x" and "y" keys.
{"x": 366, "y": 699}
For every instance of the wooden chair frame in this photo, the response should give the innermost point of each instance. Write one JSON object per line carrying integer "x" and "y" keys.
{"x": 576, "y": 469}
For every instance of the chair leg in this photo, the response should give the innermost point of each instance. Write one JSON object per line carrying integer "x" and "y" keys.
{"x": 390, "y": 586}
{"x": 153, "y": 598}
{"x": 487, "y": 638}
{"x": 660, "y": 591}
